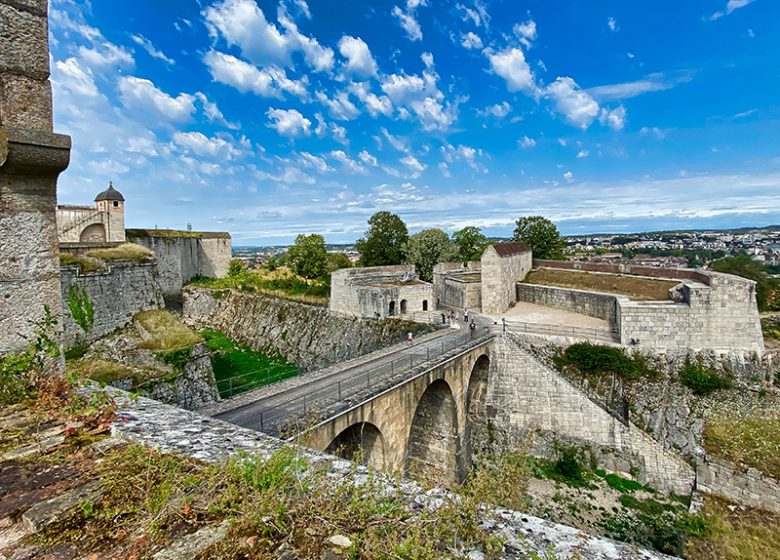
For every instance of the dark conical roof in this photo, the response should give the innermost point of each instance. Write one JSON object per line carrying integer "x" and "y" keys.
{"x": 110, "y": 194}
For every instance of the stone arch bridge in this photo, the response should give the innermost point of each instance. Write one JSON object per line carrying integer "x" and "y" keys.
{"x": 423, "y": 425}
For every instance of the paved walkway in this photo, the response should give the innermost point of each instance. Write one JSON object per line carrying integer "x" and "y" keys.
{"x": 533, "y": 313}
{"x": 292, "y": 400}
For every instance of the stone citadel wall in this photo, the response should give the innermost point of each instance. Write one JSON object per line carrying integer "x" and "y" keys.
{"x": 180, "y": 257}
{"x": 118, "y": 293}
{"x": 592, "y": 304}
{"x": 307, "y": 335}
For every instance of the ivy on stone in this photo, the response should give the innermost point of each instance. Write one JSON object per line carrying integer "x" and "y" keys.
{"x": 81, "y": 308}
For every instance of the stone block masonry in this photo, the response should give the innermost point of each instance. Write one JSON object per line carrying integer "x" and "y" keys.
{"x": 743, "y": 485}
{"x": 31, "y": 158}
{"x": 500, "y": 274}
{"x": 528, "y": 396}
{"x": 117, "y": 294}
{"x": 184, "y": 255}
{"x": 592, "y": 304}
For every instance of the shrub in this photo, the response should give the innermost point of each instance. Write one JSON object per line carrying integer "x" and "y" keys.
{"x": 596, "y": 360}
{"x": 236, "y": 267}
{"x": 81, "y": 308}
{"x": 568, "y": 465}
{"x": 703, "y": 380}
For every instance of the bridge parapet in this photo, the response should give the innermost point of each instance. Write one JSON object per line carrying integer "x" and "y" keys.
{"x": 296, "y": 415}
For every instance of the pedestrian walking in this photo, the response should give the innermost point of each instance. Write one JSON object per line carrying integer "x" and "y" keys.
{"x": 503, "y": 324}
{"x": 472, "y": 328}
{"x": 409, "y": 338}
{"x": 443, "y": 319}
{"x": 465, "y": 315}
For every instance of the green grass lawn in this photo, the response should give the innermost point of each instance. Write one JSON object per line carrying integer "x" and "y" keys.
{"x": 238, "y": 368}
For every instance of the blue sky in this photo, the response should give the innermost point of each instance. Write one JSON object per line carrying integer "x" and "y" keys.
{"x": 272, "y": 118}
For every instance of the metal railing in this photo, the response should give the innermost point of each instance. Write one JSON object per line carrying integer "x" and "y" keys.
{"x": 237, "y": 384}
{"x": 562, "y": 330}
{"x": 325, "y": 395}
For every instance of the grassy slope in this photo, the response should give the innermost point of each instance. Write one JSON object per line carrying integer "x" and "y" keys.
{"x": 238, "y": 368}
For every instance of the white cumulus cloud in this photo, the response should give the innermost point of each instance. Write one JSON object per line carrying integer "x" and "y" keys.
{"x": 471, "y": 41}
{"x": 409, "y": 23}
{"x": 576, "y": 105}
{"x": 288, "y": 122}
{"x": 143, "y": 95}
{"x": 360, "y": 63}
{"x": 271, "y": 81}
{"x": 511, "y": 65}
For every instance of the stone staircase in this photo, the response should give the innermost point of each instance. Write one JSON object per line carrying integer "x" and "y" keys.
{"x": 526, "y": 394}
{"x": 86, "y": 219}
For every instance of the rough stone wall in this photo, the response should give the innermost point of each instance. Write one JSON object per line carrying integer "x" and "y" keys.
{"x": 459, "y": 294}
{"x": 179, "y": 259}
{"x": 722, "y": 316}
{"x": 214, "y": 255}
{"x": 307, "y": 335}
{"x": 31, "y": 158}
{"x": 743, "y": 485}
{"x": 499, "y": 276}
{"x": 592, "y": 304}
{"x": 117, "y": 294}
{"x": 377, "y": 302}
{"x": 669, "y": 411}
{"x": 524, "y": 395}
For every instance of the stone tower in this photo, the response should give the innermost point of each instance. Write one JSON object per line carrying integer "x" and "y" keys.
{"x": 31, "y": 159}
{"x": 112, "y": 204}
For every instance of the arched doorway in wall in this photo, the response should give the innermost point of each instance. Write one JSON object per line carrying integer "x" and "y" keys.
{"x": 94, "y": 233}
{"x": 361, "y": 442}
{"x": 432, "y": 451}
{"x": 403, "y": 307}
{"x": 425, "y": 305}
{"x": 391, "y": 309}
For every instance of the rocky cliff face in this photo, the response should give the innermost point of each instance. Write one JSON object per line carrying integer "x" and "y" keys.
{"x": 307, "y": 335}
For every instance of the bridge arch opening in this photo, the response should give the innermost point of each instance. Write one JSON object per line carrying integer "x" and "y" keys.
{"x": 403, "y": 307}
{"x": 433, "y": 447}
{"x": 362, "y": 443}
{"x": 477, "y": 436}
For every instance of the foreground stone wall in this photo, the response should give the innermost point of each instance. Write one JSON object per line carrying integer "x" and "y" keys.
{"x": 307, "y": 335}
{"x": 118, "y": 293}
{"x": 31, "y": 158}
{"x": 171, "y": 429}
{"x": 526, "y": 396}
{"x": 592, "y": 304}
{"x": 180, "y": 257}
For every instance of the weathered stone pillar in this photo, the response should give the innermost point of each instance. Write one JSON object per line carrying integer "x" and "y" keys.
{"x": 31, "y": 158}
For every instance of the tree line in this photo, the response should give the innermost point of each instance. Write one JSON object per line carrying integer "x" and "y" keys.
{"x": 387, "y": 242}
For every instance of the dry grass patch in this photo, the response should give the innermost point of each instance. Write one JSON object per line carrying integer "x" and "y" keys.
{"x": 736, "y": 534}
{"x": 87, "y": 264}
{"x": 166, "y": 332}
{"x": 126, "y": 251}
{"x": 753, "y": 441}
{"x": 636, "y": 288}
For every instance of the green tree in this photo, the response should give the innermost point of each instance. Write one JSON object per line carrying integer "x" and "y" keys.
{"x": 337, "y": 261}
{"x": 384, "y": 241}
{"x": 427, "y": 248}
{"x": 541, "y": 235}
{"x": 308, "y": 256}
{"x": 767, "y": 288}
{"x": 470, "y": 243}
